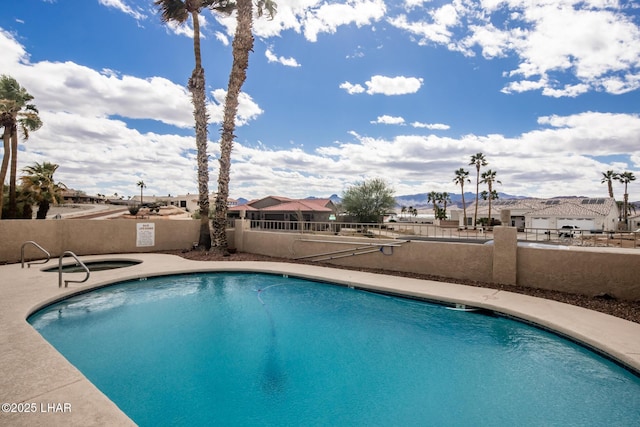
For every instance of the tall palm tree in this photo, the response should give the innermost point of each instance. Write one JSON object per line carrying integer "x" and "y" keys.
{"x": 625, "y": 178}
{"x": 489, "y": 195}
{"x": 489, "y": 178}
{"x": 242, "y": 46}
{"x": 179, "y": 11}
{"x": 444, "y": 198}
{"x": 41, "y": 187}
{"x": 16, "y": 113}
{"x": 462, "y": 176}
{"x": 608, "y": 177}
{"x": 142, "y": 185}
{"x": 478, "y": 160}
{"x": 434, "y": 197}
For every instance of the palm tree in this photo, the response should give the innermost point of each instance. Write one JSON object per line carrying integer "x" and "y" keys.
{"x": 625, "y": 178}
{"x": 489, "y": 178}
{"x": 444, "y": 198}
{"x": 179, "y": 11}
{"x": 478, "y": 160}
{"x": 142, "y": 185}
{"x": 489, "y": 195}
{"x": 403, "y": 210}
{"x": 608, "y": 177}
{"x": 16, "y": 112}
{"x": 462, "y": 176}
{"x": 434, "y": 197}
{"x": 242, "y": 46}
{"x": 41, "y": 187}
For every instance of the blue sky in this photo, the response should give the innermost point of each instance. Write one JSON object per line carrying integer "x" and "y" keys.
{"x": 337, "y": 92}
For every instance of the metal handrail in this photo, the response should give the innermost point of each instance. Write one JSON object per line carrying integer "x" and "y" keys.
{"x": 360, "y": 249}
{"x": 37, "y": 246}
{"x": 66, "y": 282}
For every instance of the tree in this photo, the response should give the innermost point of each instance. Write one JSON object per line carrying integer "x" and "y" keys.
{"x": 462, "y": 176}
{"x": 478, "y": 160}
{"x": 625, "y": 178}
{"x": 489, "y": 195}
{"x": 608, "y": 177}
{"x": 16, "y": 112}
{"x": 369, "y": 201}
{"x": 242, "y": 46}
{"x": 142, "y": 185}
{"x": 434, "y": 197}
{"x": 445, "y": 198}
{"x": 179, "y": 11}
{"x": 41, "y": 187}
{"x": 489, "y": 178}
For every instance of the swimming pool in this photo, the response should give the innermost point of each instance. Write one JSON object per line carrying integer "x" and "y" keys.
{"x": 247, "y": 349}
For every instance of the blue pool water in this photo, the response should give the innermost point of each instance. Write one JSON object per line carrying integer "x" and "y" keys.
{"x": 254, "y": 349}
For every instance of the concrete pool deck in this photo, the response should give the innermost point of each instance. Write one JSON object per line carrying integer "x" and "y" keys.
{"x": 34, "y": 377}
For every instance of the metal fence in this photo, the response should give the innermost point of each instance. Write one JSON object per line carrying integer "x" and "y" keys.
{"x": 417, "y": 231}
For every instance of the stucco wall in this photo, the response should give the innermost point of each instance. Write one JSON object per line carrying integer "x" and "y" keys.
{"x": 90, "y": 237}
{"x": 455, "y": 260}
{"x": 588, "y": 271}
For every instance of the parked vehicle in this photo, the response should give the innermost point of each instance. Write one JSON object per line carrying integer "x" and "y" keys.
{"x": 567, "y": 231}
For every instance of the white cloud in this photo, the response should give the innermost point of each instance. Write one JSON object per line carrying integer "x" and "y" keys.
{"x": 431, "y": 126}
{"x": 388, "y": 120}
{"x": 122, "y": 6}
{"x": 288, "y": 62}
{"x": 78, "y": 89}
{"x": 248, "y": 109}
{"x": 593, "y": 42}
{"x": 393, "y": 85}
{"x": 561, "y": 151}
{"x": 328, "y": 17}
{"x": 437, "y": 29}
{"x": 84, "y": 131}
{"x": 385, "y": 85}
{"x": 222, "y": 38}
{"x": 313, "y": 17}
{"x": 351, "y": 88}
{"x": 90, "y": 109}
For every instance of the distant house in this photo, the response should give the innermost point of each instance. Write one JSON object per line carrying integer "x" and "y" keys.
{"x": 634, "y": 223}
{"x": 583, "y": 212}
{"x": 276, "y": 208}
{"x": 189, "y": 202}
{"x": 76, "y": 196}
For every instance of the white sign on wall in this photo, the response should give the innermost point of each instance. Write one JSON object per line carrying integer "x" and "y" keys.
{"x": 145, "y": 234}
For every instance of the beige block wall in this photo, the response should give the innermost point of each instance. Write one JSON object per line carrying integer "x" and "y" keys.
{"x": 453, "y": 260}
{"x": 90, "y": 237}
{"x": 505, "y": 242}
{"x": 587, "y": 271}
{"x": 591, "y": 271}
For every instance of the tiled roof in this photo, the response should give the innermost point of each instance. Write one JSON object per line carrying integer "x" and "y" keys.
{"x": 305, "y": 205}
{"x": 288, "y": 205}
{"x": 574, "y": 206}
{"x": 241, "y": 208}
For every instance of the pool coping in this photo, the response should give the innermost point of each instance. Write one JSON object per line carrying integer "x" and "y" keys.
{"x": 35, "y": 377}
